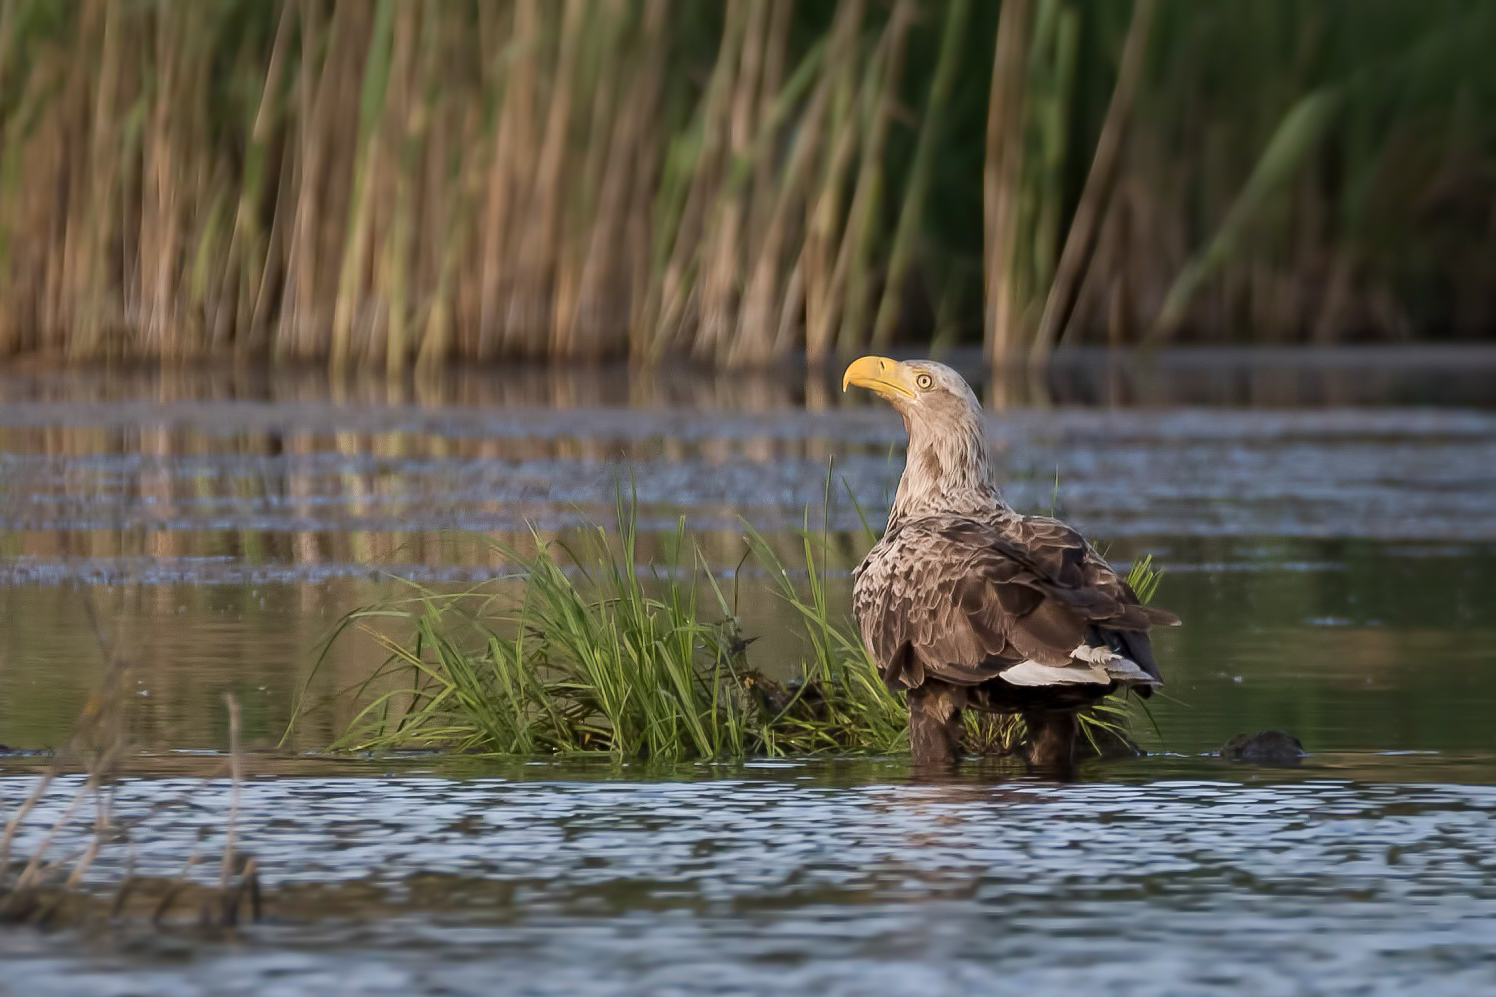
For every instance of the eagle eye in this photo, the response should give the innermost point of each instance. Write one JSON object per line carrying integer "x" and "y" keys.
{"x": 925, "y": 382}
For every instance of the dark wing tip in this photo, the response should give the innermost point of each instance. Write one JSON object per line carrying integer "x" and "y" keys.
{"x": 1161, "y": 617}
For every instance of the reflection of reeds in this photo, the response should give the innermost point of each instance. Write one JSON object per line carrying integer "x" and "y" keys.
{"x": 298, "y": 469}
{"x": 320, "y": 456}
{"x": 388, "y": 184}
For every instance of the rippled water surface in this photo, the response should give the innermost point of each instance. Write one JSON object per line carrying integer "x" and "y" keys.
{"x": 1328, "y": 531}
{"x": 828, "y": 879}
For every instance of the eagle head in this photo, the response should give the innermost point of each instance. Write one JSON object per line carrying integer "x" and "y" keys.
{"x": 922, "y": 391}
{"x": 948, "y": 468}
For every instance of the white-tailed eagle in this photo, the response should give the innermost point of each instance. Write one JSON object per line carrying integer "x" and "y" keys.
{"x": 966, "y": 603}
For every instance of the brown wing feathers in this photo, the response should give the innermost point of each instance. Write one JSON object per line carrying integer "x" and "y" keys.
{"x": 961, "y": 600}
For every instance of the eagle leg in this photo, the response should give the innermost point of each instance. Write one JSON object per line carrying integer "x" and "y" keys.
{"x": 1051, "y": 740}
{"x": 935, "y": 723}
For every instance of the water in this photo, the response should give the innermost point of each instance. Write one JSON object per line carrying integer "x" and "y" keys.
{"x": 1342, "y": 878}
{"x": 1328, "y": 532}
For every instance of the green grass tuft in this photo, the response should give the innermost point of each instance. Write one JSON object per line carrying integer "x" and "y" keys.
{"x": 578, "y": 651}
{"x": 1143, "y": 578}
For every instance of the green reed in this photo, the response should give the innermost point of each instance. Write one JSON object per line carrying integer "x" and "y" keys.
{"x": 579, "y": 650}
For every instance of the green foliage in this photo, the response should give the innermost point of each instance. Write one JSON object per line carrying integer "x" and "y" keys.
{"x": 589, "y": 656}
{"x": 1143, "y": 578}
{"x": 578, "y": 651}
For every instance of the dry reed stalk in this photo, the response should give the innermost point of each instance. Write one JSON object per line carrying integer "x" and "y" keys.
{"x": 1085, "y": 227}
{"x": 173, "y": 889}
{"x": 760, "y": 331}
{"x": 533, "y": 312}
{"x": 99, "y": 731}
{"x": 1002, "y": 176}
{"x": 771, "y": 85}
{"x": 676, "y": 288}
{"x": 368, "y": 169}
{"x": 911, "y": 213}
{"x": 320, "y": 201}
{"x": 159, "y": 207}
{"x": 723, "y": 233}
{"x": 507, "y": 177}
{"x": 649, "y": 164}
{"x": 7, "y": 35}
{"x": 852, "y": 278}
{"x": 85, "y": 275}
{"x": 615, "y": 271}
{"x": 250, "y": 249}
{"x": 295, "y": 202}
{"x": 236, "y": 774}
{"x": 43, "y": 888}
{"x": 826, "y": 214}
{"x": 594, "y": 213}
{"x": 800, "y": 319}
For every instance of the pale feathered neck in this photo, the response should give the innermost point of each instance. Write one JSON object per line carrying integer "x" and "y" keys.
{"x": 947, "y": 472}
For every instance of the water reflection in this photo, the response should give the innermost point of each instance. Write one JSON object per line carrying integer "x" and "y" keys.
{"x": 1348, "y": 645}
{"x": 1255, "y": 377}
{"x": 1330, "y": 563}
{"x": 250, "y": 476}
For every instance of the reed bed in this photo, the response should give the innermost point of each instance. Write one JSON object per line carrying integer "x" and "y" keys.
{"x": 596, "y": 654}
{"x": 385, "y": 184}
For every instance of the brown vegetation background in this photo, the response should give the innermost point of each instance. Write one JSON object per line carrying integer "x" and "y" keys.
{"x": 386, "y": 183}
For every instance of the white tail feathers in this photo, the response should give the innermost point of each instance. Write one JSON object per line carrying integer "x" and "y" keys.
{"x": 1089, "y": 666}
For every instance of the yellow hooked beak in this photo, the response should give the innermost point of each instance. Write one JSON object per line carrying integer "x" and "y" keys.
{"x": 884, "y": 377}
